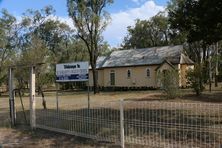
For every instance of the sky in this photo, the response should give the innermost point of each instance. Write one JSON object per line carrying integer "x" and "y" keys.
{"x": 123, "y": 13}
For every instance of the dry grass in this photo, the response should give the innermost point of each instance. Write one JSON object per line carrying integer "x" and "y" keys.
{"x": 75, "y": 100}
{"x": 21, "y": 137}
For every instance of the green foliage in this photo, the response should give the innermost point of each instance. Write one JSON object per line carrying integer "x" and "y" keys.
{"x": 8, "y": 31}
{"x": 55, "y": 34}
{"x": 150, "y": 33}
{"x": 194, "y": 77}
{"x": 169, "y": 80}
{"x": 36, "y": 52}
{"x": 200, "y": 19}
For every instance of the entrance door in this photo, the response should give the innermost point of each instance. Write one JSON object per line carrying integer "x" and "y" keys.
{"x": 112, "y": 78}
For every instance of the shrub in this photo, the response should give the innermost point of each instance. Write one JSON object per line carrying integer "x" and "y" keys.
{"x": 195, "y": 79}
{"x": 169, "y": 80}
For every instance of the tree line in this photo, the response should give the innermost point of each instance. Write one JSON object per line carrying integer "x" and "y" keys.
{"x": 39, "y": 36}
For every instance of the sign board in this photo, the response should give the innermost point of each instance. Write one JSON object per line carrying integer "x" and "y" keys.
{"x": 71, "y": 72}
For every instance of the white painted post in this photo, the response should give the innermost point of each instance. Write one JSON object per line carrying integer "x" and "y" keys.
{"x": 122, "y": 140}
{"x": 32, "y": 98}
{"x": 11, "y": 97}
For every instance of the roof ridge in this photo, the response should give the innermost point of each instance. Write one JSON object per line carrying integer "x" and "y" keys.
{"x": 150, "y": 47}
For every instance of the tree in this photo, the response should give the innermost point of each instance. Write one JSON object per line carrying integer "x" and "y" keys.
{"x": 201, "y": 20}
{"x": 8, "y": 29}
{"x": 55, "y": 34}
{"x": 35, "y": 53}
{"x": 90, "y": 20}
{"x": 43, "y": 39}
{"x": 150, "y": 33}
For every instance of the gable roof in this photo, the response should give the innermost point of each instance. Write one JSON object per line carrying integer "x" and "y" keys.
{"x": 167, "y": 62}
{"x": 185, "y": 59}
{"x": 147, "y": 56}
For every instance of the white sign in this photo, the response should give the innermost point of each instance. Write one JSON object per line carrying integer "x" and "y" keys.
{"x": 70, "y": 72}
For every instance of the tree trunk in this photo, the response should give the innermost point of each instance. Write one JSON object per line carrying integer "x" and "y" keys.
{"x": 43, "y": 97}
{"x": 95, "y": 81}
{"x": 210, "y": 77}
{"x": 210, "y": 74}
{"x": 216, "y": 68}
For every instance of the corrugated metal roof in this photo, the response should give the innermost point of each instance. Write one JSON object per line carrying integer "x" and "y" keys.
{"x": 100, "y": 61}
{"x": 146, "y": 56}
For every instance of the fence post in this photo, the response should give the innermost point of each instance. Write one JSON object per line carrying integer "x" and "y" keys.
{"x": 122, "y": 140}
{"x": 11, "y": 97}
{"x": 32, "y": 98}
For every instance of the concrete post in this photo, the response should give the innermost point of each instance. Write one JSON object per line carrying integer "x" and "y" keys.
{"x": 11, "y": 97}
{"x": 32, "y": 98}
{"x": 122, "y": 138}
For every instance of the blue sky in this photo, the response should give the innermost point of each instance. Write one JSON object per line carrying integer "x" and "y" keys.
{"x": 123, "y": 13}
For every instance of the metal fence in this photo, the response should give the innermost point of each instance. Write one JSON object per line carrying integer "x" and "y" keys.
{"x": 151, "y": 123}
{"x": 170, "y": 124}
{"x": 98, "y": 122}
{"x": 4, "y": 113}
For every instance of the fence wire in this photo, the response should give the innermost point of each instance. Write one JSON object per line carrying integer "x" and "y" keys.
{"x": 169, "y": 124}
{"x": 4, "y": 113}
{"x": 151, "y": 123}
{"x": 100, "y": 122}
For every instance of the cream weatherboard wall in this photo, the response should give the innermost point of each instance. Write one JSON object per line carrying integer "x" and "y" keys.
{"x": 138, "y": 76}
{"x": 100, "y": 78}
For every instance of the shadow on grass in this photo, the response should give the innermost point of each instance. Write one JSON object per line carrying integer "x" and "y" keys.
{"x": 214, "y": 97}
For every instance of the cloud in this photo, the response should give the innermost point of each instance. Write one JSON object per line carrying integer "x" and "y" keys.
{"x": 117, "y": 29}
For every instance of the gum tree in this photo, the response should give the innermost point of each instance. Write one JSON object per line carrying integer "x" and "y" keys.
{"x": 90, "y": 20}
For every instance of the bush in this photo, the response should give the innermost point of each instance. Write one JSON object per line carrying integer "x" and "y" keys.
{"x": 169, "y": 80}
{"x": 195, "y": 79}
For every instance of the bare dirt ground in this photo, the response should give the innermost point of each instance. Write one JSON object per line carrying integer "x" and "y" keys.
{"x": 24, "y": 137}
{"x": 39, "y": 138}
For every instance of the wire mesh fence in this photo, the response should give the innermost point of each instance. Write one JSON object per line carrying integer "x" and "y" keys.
{"x": 170, "y": 124}
{"x": 151, "y": 123}
{"x": 100, "y": 121}
{"x": 4, "y": 113}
